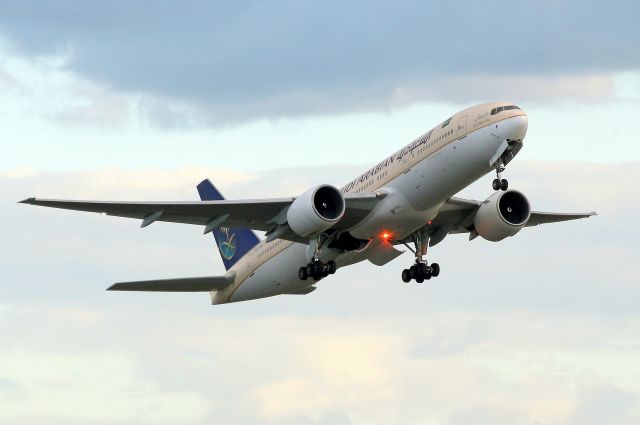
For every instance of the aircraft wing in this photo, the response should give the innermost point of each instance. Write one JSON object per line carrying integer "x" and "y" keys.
{"x": 187, "y": 284}
{"x": 457, "y": 214}
{"x": 257, "y": 214}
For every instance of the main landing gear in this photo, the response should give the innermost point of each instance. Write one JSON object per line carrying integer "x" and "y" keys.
{"x": 500, "y": 183}
{"x": 317, "y": 270}
{"x": 420, "y": 271}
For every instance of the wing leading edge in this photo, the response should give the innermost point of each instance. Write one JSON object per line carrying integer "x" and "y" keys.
{"x": 256, "y": 214}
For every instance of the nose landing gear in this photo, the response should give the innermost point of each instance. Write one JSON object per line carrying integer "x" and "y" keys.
{"x": 500, "y": 183}
{"x": 420, "y": 271}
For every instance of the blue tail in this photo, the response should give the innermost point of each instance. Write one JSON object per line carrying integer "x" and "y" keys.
{"x": 233, "y": 243}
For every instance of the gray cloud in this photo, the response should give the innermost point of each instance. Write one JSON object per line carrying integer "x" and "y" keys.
{"x": 250, "y": 59}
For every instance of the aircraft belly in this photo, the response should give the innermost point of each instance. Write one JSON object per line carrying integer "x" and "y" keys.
{"x": 277, "y": 276}
{"x": 417, "y": 195}
{"x": 452, "y": 169}
{"x": 394, "y": 214}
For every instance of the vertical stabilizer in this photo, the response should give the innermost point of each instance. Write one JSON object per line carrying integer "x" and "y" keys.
{"x": 233, "y": 243}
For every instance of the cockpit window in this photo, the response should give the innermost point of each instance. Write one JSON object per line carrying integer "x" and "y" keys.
{"x": 446, "y": 123}
{"x": 503, "y": 108}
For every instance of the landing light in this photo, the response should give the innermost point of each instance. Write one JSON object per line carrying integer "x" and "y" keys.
{"x": 386, "y": 235}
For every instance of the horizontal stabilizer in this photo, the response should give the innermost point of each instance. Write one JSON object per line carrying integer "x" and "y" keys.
{"x": 187, "y": 284}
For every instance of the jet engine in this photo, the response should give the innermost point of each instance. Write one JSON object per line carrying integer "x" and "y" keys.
{"x": 316, "y": 210}
{"x": 503, "y": 214}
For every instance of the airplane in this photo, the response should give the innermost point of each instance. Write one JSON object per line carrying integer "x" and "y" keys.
{"x": 407, "y": 200}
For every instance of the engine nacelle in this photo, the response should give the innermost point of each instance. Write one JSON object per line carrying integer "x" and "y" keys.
{"x": 503, "y": 214}
{"x": 316, "y": 210}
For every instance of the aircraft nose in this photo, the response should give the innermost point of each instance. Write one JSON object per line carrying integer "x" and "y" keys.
{"x": 518, "y": 127}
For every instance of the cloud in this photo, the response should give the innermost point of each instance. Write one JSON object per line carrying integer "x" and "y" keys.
{"x": 497, "y": 414}
{"x": 110, "y": 182}
{"x": 336, "y": 367}
{"x": 285, "y": 369}
{"x": 95, "y": 387}
{"x": 605, "y": 404}
{"x": 246, "y": 60}
{"x": 43, "y": 88}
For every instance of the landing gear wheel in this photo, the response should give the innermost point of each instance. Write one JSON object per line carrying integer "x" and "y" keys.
{"x": 317, "y": 270}
{"x": 504, "y": 184}
{"x": 426, "y": 271}
{"x": 497, "y": 185}
{"x": 406, "y": 276}
{"x": 413, "y": 271}
{"x": 421, "y": 272}
{"x": 435, "y": 269}
{"x": 317, "y": 267}
{"x": 332, "y": 267}
{"x": 302, "y": 273}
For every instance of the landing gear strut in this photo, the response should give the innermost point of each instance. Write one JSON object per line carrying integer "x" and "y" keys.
{"x": 500, "y": 183}
{"x": 420, "y": 271}
{"x": 317, "y": 269}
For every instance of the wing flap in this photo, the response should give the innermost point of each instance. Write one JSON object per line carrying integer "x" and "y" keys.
{"x": 187, "y": 284}
{"x": 383, "y": 253}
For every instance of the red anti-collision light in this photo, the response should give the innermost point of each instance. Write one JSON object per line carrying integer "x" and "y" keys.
{"x": 386, "y": 235}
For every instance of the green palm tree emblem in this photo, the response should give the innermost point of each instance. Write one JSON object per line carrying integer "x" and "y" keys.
{"x": 227, "y": 244}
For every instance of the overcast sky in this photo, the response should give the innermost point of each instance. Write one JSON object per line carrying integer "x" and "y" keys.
{"x": 115, "y": 100}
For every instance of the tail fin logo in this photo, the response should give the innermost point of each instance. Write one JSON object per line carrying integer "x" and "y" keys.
{"x": 227, "y": 243}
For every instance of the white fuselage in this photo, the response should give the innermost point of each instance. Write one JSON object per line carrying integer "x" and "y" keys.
{"x": 417, "y": 180}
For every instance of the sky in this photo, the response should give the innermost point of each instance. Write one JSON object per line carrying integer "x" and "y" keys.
{"x": 121, "y": 101}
